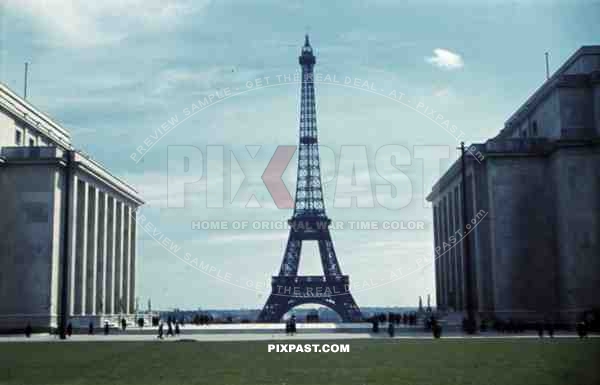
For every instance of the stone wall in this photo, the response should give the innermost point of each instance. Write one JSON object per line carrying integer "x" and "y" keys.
{"x": 524, "y": 253}
{"x": 7, "y": 130}
{"x": 27, "y": 250}
{"x": 576, "y": 177}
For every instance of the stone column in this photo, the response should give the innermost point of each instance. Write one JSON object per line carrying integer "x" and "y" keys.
{"x": 126, "y": 256}
{"x": 442, "y": 251}
{"x": 111, "y": 220}
{"x": 91, "y": 250}
{"x": 448, "y": 221}
{"x": 470, "y": 242}
{"x": 72, "y": 244}
{"x": 80, "y": 247}
{"x": 457, "y": 252}
{"x": 446, "y": 253}
{"x": 118, "y": 284}
{"x": 437, "y": 244}
{"x": 132, "y": 262}
{"x": 451, "y": 254}
{"x": 101, "y": 254}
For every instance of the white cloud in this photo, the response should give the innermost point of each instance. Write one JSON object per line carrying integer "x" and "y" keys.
{"x": 84, "y": 23}
{"x": 200, "y": 79}
{"x": 445, "y": 59}
{"x": 442, "y": 92}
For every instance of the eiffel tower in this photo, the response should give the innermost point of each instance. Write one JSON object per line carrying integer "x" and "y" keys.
{"x": 309, "y": 223}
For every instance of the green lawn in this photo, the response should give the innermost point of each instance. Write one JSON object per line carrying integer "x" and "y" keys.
{"x": 414, "y": 362}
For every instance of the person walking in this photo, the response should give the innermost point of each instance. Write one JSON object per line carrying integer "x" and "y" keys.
{"x": 28, "y": 330}
{"x": 550, "y": 328}
{"x": 160, "y": 330}
{"x": 581, "y": 329}
{"x": 293, "y": 326}
{"x": 375, "y": 326}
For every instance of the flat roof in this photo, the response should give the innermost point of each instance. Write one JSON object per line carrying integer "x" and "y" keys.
{"x": 41, "y": 122}
{"x": 35, "y": 118}
{"x": 541, "y": 92}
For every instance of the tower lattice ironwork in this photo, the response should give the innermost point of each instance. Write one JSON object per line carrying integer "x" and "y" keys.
{"x": 309, "y": 223}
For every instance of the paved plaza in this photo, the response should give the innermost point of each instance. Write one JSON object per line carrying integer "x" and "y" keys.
{"x": 216, "y": 337}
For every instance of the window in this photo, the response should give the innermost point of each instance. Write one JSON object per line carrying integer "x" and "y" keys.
{"x": 31, "y": 142}
{"x": 534, "y": 128}
{"x": 17, "y": 137}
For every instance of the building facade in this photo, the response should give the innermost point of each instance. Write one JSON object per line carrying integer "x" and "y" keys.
{"x": 533, "y": 206}
{"x": 68, "y": 227}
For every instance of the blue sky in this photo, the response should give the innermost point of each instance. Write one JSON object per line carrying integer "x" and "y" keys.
{"x": 114, "y": 72}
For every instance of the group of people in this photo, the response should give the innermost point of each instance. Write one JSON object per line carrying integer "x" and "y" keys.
{"x": 170, "y": 333}
{"x": 408, "y": 319}
{"x": 517, "y": 326}
{"x": 582, "y": 329}
{"x": 549, "y": 326}
{"x": 392, "y": 319}
{"x": 430, "y": 323}
{"x": 202, "y": 319}
{"x": 375, "y": 328}
{"x": 91, "y": 328}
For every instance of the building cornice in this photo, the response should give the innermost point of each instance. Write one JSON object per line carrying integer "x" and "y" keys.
{"x": 540, "y": 94}
{"x": 26, "y": 113}
{"x": 80, "y": 163}
{"x": 504, "y": 148}
{"x": 450, "y": 175}
{"x": 100, "y": 173}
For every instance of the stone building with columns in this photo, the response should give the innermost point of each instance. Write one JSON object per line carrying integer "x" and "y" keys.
{"x": 68, "y": 227}
{"x": 533, "y": 207}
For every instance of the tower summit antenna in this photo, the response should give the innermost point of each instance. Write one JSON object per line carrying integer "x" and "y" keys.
{"x": 547, "y": 67}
